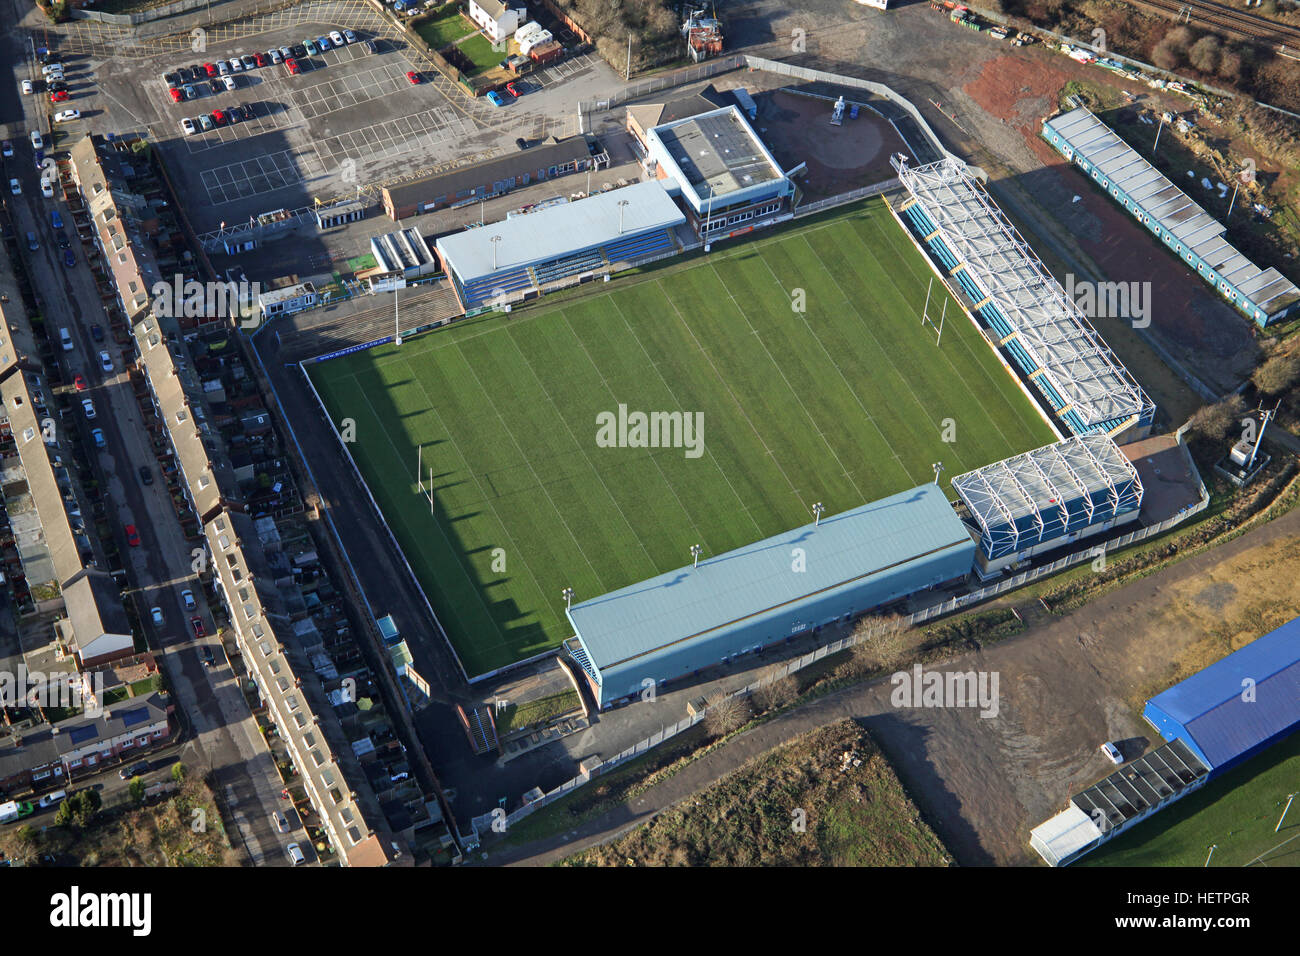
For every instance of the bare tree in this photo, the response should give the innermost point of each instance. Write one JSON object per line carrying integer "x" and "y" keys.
{"x": 1277, "y": 374}
{"x": 1166, "y": 56}
{"x": 1213, "y": 422}
{"x": 725, "y": 713}
{"x": 1204, "y": 54}
{"x": 882, "y": 641}
{"x": 778, "y": 693}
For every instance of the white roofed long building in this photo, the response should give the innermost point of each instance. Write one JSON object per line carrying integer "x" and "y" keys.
{"x": 1022, "y": 310}
{"x": 1264, "y": 295}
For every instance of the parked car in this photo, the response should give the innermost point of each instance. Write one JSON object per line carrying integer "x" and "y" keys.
{"x": 218, "y": 118}
{"x": 311, "y": 47}
{"x": 28, "y": 87}
{"x": 187, "y": 596}
{"x": 372, "y": 46}
{"x": 172, "y": 79}
{"x": 50, "y": 799}
{"x": 291, "y": 65}
{"x": 132, "y": 536}
{"x": 210, "y": 69}
{"x": 7, "y": 149}
{"x": 261, "y": 59}
{"x": 223, "y": 68}
{"x": 495, "y": 98}
{"x": 217, "y": 83}
{"x": 205, "y": 655}
{"x": 137, "y": 768}
{"x": 33, "y": 244}
{"x": 205, "y": 122}
{"x": 105, "y": 362}
{"x": 176, "y": 95}
{"x": 47, "y": 188}
{"x": 156, "y": 615}
{"x": 336, "y": 38}
{"x": 349, "y": 36}
{"x": 191, "y": 92}
{"x": 248, "y": 61}
{"x": 229, "y": 83}
{"x": 69, "y": 258}
{"x": 97, "y": 333}
{"x": 58, "y": 86}
{"x": 298, "y": 51}
{"x": 61, "y": 238}
{"x": 275, "y": 55}
{"x": 188, "y": 127}
{"x": 15, "y": 187}
{"x": 146, "y": 478}
{"x": 79, "y": 382}
{"x": 412, "y": 77}
{"x": 521, "y": 142}
{"x": 235, "y": 65}
{"x": 296, "y": 856}
{"x": 286, "y": 52}
{"x": 37, "y": 142}
{"x": 1112, "y": 753}
{"x": 98, "y": 435}
{"x": 60, "y": 96}
{"x": 323, "y": 43}
{"x": 67, "y": 116}
{"x": 281, "y": 822}
{"x": 196, "y": 624}
{"x": 88, "y": 407}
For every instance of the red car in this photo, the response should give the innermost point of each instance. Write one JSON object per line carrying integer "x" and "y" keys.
{"x": 80, "y": 382}
{"x": 261, "y": 59}
{"x": 197, "y": 624}
{"x": 413, "y": 77}
{"x": 291, "y": 65}
{"x": 175, "y": 94}
{"x": 132, "y": 536}
{"x": 218, "y": 118}
{"x": 510, "y": 88}
{"x": 211, "y": 69}
{"x": 61, "y": 96}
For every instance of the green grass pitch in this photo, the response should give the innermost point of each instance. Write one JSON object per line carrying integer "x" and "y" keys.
{"x": 843, "y": 403}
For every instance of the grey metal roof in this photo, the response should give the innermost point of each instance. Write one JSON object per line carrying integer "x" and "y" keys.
{"x": 874, "y": 540}
{"x": 558, "y": 231}
{"x": 718, "y": 151}
{"x": 1175, "y": 211}
{"x": 1140, "y": 785}
{"x": 1038, "y": 480}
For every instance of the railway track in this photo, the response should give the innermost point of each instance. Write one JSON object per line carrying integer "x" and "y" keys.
{"x": 1281, "y": 37}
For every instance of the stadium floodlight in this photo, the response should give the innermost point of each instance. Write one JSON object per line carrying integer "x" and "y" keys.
{"x": 397, "y": 324}
{"x": 818, "y": 509}
{"x": 938, "y": 467}
{"x": 567, "y": 594}
{"x": 621, "y": 204}
{"x": 1213, "y": 847}
{"x": 1289, "y": 798}
{"x": 696, "y": 551}
{"x": 495, "y": 240}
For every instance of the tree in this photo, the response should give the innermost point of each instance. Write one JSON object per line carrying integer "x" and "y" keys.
{"x": 178, "y": 772}
{"x": 1166, "y": 56}
{"x": 725, "y": 713}
{"x": 1277, "y": 374}
{"x": 1204, "y": 54}
{"x": 78, "y": 809}
{"x": 883, "y": 639}
{"x": 1230, "y": 64}
{"x": 136, "y": 790}
{"x": 777, "y": 694}
{"x": 1180, "y": 38}
{"x": 1213, "y": 422}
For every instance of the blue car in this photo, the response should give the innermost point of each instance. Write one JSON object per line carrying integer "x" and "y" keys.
{"x": 323, "y": 43}
{"x": 98, "y": 435}
{"x": 310, "y": 46}
{"x": 69, "y": 259}
{"x": 55, "y": 219}
{"x": 495, "y": 98}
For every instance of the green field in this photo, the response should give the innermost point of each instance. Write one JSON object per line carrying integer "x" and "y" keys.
{"x": 443, "y": 28}
{"x": 1236, "y": 814}
{"x": 479, "y": 49}
{"x": 843, "y": 404}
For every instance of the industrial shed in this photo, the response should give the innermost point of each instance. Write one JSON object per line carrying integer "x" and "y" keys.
{"x": 1022, "y": 310}
{"x": 1049, "y": 497}
{"x": 1238, "y": 706}
{"x": 681, "y": 622}
{"x": 525, "y": 255}
{"x": 1263, "y": 295}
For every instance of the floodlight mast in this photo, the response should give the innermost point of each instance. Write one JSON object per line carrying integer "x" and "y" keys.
{"x": 696, "y": 551}
{"x": 818, "y": 509}
{"x": 567, "y": 594}
{"x": 938, "y": 467}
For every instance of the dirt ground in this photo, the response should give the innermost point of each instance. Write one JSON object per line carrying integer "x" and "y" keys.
{"x": 1069, "y": 685}
{"x": 797, "y": 129}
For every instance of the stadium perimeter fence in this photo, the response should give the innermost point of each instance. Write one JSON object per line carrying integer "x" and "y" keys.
{"x": 486, "y": 822}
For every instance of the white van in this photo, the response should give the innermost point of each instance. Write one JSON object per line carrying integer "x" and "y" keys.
{"x": 66, "y": 338}
{"x": 295, "y": 854}
{"x": 50, "y": 799}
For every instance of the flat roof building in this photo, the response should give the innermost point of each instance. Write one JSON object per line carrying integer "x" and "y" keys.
{"x": 691, "y": 618}
{"x": 523, "y": 255}
{"x": 1263, "y": 295}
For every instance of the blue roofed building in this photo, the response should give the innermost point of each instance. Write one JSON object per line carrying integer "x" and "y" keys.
{"x": 681, "y": 622}
{"x": 1238, "y": 706}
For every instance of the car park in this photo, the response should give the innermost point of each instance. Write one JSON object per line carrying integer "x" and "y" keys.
{"x": 67, "y": 116}
{"x": 248, "y": 61}
{"x": 412, "y": 77}
{"x": 105, "y": 362}
{"x": 187, "y": 596}
{"x": 495, "y": 98}
{"x": 98, "y": 435}
{"x": 137, "y": 768}
{"x": 132, "y": 535}
{"x": 188, "y": 127}
{"x": 88, "y": 407}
